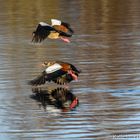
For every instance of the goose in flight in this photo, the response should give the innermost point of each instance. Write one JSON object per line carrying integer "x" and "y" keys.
{"x": 57, "y": 30}
{"x": 58, "y": 72}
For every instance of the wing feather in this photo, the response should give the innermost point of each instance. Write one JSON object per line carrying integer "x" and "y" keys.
{"x": 64, "y": 79}
{"x": 42, "y": 31}
{"x": 41, "y": 79}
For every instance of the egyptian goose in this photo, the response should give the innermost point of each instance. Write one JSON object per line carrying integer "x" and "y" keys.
{"x": 60, "y": 97}
{"x": 56, "y": 30}
{"x": 58, "y": 72}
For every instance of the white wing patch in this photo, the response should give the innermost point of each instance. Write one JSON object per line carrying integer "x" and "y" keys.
{"x": 44, "y": 24}
{"x": 53, "y": 68}
{"x": 55, "y": 22}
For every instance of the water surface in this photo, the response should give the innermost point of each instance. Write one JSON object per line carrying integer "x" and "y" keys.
{"x": 105, "y": 46}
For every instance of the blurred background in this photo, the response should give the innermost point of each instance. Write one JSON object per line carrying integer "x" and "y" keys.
{"x": 105, "y": 46}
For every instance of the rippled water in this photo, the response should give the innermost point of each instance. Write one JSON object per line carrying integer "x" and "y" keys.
{"x": 105, "y": 46}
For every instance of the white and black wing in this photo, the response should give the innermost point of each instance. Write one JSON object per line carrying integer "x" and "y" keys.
{"x": 51, "y": 73}
{"x": 55, "y": 22}
{"x": 42, "y": 31}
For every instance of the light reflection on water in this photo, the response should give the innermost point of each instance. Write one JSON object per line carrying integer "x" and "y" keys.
{"x": 105, "y": 47}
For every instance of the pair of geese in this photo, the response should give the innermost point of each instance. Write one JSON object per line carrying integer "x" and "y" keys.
{"x": 56, "y": 71}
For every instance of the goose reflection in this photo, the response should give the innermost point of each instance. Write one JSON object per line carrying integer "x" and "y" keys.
{"x": 60, "y": 98}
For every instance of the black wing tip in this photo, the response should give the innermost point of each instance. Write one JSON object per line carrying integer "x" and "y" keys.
{"x": 38, "y": 80}
{"x": 33, "y": 83}
{"x": 37, "y": 39}
{"x": 41, "y": 33}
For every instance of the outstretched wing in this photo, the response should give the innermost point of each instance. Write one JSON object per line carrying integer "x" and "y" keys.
{"x": 42, "y": 31}
{"x": 51, "y": 73}
{"x": 39, "y": 80}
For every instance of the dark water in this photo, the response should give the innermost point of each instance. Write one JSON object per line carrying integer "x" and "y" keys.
{"x": 105, "y": 46}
